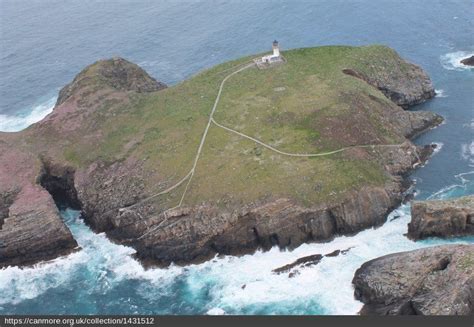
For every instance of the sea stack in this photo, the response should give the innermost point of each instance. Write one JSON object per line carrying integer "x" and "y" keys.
{"x": 442, "y": 218}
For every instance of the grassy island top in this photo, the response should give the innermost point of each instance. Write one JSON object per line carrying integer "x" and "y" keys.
{"x": 307, "y": 105}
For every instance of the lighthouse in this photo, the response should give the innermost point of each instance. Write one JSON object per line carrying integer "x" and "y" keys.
{"x": 272, "y": 59}
{"x": 276, "y": 49}
{"x": 275, "y": 56}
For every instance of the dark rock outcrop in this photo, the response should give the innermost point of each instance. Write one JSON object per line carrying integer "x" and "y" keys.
{"x": 431, "y": 281}
{"x": 308, "y": 261}
{"x": 59, "y": 182}
{"x": 442, "y": 218}
{"x": 468, "y": 61}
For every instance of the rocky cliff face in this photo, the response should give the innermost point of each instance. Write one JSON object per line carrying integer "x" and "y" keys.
{"x": 31, "y": 228}
{"x": 404, "y": 83}
{"x": 442, "y": 218}
{"x": 432, "y": 281}
{"x": 117, "y": 138}
{"x": 417, "y": 90}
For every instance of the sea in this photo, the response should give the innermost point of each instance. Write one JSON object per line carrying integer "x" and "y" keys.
{"x": 44, "y": 44}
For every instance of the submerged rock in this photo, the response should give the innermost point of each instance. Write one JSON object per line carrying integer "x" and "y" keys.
{"x": 304, "y": 261}
{"x": 432, "y": 281}
{"x": 442, "y": 218}
{"x": 307, "y": 261}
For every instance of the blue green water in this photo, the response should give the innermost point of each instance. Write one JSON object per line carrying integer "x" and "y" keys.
{"x": 43, "y": 44}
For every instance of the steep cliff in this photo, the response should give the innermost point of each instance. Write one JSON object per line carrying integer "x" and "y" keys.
{"x": 123, "y": 148}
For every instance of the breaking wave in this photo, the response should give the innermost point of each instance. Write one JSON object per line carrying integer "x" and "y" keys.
{"x": 440, "y": 93}
{"x": 19, "y": 122}
{"x": 107, "y": 275}
{"x": 467, "y": 152}
{"x": 452, "y": 61}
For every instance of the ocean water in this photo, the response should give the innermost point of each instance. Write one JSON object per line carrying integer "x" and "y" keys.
{"x": 43, "y": 44}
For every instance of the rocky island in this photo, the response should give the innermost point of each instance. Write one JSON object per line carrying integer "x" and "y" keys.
{"x": 233, "y": 159}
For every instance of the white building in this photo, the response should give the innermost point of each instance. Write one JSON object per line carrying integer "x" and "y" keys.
{"x": 275, "y": 56}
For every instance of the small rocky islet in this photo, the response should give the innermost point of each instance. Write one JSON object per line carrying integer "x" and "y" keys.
{"x": 469, "y": 61}
{"x": 442, "y": 218}
{"x": 119, "y": 146}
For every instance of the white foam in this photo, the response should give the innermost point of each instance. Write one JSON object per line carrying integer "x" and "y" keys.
{"x": 106, "y": 262}
{"x": 452, "y": 61}
{"x": 17, "y": 284}
{"x": 470, "y": 124}
{"x": 462, "y": 177}
{"x": 239, "y": 282}
{"x": 248, "y": 280}
{"x": 440, "y": 94}
{"x": 20, "y": 122}
{"x": 446, "y": 192}
{"x": 229, "y": 285}
{"x": 215, "y": 312}
{"x": 467, "y": 152}
{"x": 439, "y": 146}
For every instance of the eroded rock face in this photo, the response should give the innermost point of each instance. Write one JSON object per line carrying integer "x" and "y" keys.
{"x": 442, "y": 218}
{"x": 195, "y": 234}
{"x": 431, "y": 281}
{"x": 33, "y": 230}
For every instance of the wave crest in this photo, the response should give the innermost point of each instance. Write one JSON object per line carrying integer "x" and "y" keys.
{"x": 19, "y": 122}
{"x": 452, "y": 60}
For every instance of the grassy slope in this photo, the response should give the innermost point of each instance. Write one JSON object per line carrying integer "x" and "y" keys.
{"x": 307, "y": 105}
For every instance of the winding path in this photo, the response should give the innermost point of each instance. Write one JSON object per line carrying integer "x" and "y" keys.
{"x": 198, "y": 154}
{"x": 211, "y": 120}
{"x": 321, "y": 154}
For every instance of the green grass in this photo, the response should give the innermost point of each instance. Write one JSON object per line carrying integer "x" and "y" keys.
{"x": 304, "y": 106}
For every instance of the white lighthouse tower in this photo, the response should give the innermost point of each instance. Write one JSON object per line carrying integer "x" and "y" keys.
{"x": 272, "y": 59}
{"x": 275, "y": 56}
{"x": 276, "y": 49}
